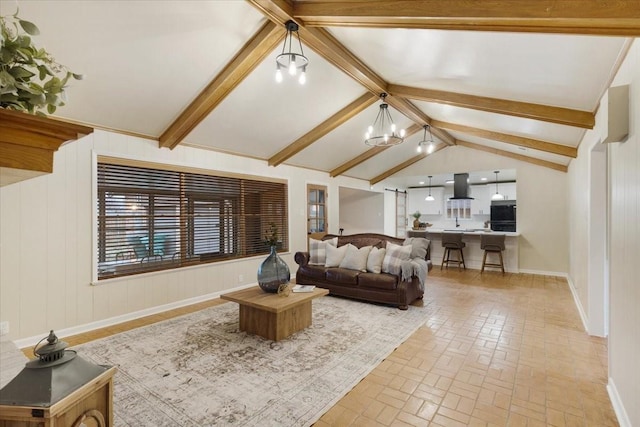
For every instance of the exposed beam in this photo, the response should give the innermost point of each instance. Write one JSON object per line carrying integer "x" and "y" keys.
{"x": 560, "y": 115}
{"x": 323, "y": 128}
{"x": 522, "y": 158}
{"x": 369, "y": 154}
{"x": 404, "y": 165}
{"x": 521, "y": 141}
{"x": 327, "y": 46}
{"x": 594, "y": 17}
{"x": 245, "y": 61}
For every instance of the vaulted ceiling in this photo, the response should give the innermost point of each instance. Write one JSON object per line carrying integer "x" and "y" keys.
{"x": 516, "y": 78}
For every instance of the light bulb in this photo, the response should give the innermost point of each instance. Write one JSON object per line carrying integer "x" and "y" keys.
{"x": 430, "y": 148}
{"x": 303, "y": 77}
{"x": 278, "y": 75}
{"x": 402, "y": 133}
{"x": 386, "y": 137}
{"x": 393, "y": 127}
{"x": 370, "y": 130}
{"x": 419, "y": 148}
{"x": 367, "y": 135}
{"x": 292, "y": 66}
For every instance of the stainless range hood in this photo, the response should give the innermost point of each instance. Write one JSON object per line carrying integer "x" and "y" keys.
{"x": 461, "y": 186}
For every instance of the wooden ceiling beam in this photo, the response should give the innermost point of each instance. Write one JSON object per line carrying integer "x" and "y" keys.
{"x": 535, "y": 144}
{"x": 245, "y": 61}
{"x": 403, "y": 165}
{"x": 323, "y": 128}
{"x": 592, "y": 17}
{"x": 369, "y": 154}
{"x": 521, "y": 157}
{"x": 559, "y": 115}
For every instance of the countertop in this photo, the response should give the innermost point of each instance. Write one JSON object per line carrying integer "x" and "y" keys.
{"x": 466, "y": 231}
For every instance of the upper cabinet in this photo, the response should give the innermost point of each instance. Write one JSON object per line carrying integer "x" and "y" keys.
{"x": 508, "y": 190}
{"x": 481, "y": 203}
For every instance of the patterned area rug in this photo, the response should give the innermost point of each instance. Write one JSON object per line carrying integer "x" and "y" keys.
{"x": 199, "y": 370}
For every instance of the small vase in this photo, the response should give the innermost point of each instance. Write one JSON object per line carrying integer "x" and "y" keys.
{"x": 273, "y": 272}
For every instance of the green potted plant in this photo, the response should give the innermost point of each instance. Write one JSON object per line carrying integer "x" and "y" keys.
{"x": 31, "y": 80}
{"x": 416, "y": 222}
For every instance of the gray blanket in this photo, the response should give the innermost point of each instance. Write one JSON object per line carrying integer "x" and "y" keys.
{"x": 415, "y": 267}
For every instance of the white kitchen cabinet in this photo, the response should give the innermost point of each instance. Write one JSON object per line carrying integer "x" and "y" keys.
{"x": 508, "y": 190}
{"x": 481, "y": 203}
{"x": 434, "y": 207}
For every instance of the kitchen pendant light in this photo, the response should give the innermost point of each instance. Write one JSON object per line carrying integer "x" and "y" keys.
{"x": 383, "y": 131}
{"x": 293, "y": 62}
{"x": 426, "y": 145}
{"x": 429, "y": 198}
{"x": 497, "y": 196}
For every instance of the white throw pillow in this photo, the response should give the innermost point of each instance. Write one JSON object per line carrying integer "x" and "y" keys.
{"x": 356, "y": 259}
{"x": 394, "y": 257}
{"x": 374, "y": 261}
{"x": 317, "y": 250}
{"x": 335, "y": 255}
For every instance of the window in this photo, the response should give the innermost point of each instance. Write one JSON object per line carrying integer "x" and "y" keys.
{"x": 153, "y": 219}
{"x": 316, "y": 211}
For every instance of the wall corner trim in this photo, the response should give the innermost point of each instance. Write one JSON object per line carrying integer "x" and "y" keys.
{"x": 618, "y": 407}
{"x": 576, "y": 300}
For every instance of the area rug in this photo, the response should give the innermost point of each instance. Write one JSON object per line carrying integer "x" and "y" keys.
{"x": 200, "y": 370}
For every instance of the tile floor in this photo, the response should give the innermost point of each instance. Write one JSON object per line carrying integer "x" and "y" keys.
{"x": 496, "y": 350}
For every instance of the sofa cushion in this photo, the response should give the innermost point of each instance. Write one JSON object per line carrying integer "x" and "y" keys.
{"x": 317, "y": 250}
{"x": 343, "y": 276}
{"x": 374, "y": 260}
{"x": 313, "y": 271}
{"x": 393, "y": 258}
{"x": 335, "y": 255}
{"x": 419, "y": 246}
{"x": 355, "y": 259}
{"x": 361, "y": 241}
{"x": 377, "y": 281}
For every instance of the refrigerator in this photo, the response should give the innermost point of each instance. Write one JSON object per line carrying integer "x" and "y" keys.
{"x": 503, "y": 215}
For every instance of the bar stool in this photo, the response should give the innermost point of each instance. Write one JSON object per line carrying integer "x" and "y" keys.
{"x": 452, "y": 242}
{"x": 493, "y": 243}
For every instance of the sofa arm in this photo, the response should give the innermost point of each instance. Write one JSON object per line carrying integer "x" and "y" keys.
{"x": 301, "y": 258}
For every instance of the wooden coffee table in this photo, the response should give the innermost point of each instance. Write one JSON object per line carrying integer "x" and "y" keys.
{"x": 272, "y": 316}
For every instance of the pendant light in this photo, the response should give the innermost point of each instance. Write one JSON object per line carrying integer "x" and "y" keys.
{"x": 427, "y": 145}
{"x": 293, "y": 62}
{"x": 383, "y": 131}
{"x": 497, "y": 196}
{"x": 429, "y": 198}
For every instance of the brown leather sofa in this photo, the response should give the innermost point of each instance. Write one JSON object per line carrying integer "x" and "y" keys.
{"x": 374, "y": 287}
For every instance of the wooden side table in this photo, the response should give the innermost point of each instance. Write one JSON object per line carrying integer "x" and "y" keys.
{"x": 272, "y": 316}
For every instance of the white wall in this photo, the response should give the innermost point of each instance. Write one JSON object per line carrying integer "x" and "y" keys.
{"x": 46, "y": 232}
{"x": 542, "y": 203}
{"x": 624, "y": 235}
{"x": 361, "y": 211}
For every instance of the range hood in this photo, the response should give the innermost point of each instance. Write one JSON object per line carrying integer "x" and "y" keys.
{"x": 460, "y": 186}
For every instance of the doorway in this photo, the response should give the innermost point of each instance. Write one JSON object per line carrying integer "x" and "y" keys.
{"x": 316, "y": 211}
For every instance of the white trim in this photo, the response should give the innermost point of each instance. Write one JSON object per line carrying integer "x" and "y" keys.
{"x": 618, "y": 407}
{"x": 576, "y": 299}
{"x": 544, "y": 273}
{"x": 87, "y": 327}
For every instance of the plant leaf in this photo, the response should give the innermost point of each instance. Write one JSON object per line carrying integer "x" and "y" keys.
{"x": 29, "y": 27}
{"x": 51, "y": 109}
{"x": 78, "y": 76}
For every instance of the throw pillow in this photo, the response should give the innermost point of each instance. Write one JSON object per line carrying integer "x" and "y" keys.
{"x": 394, "y": 257}
{"x": 334, "y": 255}
{"x": 317, "y": 250}
{"x": 420, "y": 245}
{"x": 374, "y": 260}
{"x": 355, "y": 259}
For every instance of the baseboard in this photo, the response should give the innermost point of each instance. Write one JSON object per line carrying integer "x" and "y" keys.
{"x": 544, "y": 273}
{"x": 576, "y": 300}
{"x": 88, "y": 327}
{"x": 618, "y": 407}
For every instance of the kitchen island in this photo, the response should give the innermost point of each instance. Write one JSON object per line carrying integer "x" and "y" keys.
{"x": 472, "y": 252}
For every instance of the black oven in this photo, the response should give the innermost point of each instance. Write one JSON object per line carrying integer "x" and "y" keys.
{"x": 503, "y": 215}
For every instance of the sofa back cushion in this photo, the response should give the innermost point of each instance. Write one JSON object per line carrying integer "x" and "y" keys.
{"x": 374, "y": 260}
{"x": 334, "y": 255}
{"x": 392, "y": 262}
{"x": 419, "y": 246}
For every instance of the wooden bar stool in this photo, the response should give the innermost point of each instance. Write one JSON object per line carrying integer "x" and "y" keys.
{"x": 452, "y": 242}
{"x": 493, "y": 243}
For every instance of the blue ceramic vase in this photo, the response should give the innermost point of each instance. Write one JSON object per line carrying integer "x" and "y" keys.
{"x": 273, "y": 272}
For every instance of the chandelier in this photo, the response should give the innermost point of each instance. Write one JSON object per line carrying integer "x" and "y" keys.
{"x": 294, "y": 63}
{"x": 383, "y": 131}
{"x": 427, "y": 145}
{"x": 497, "y": 196}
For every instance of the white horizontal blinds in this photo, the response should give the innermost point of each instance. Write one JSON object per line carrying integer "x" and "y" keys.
{"x": 153, "y": 219}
